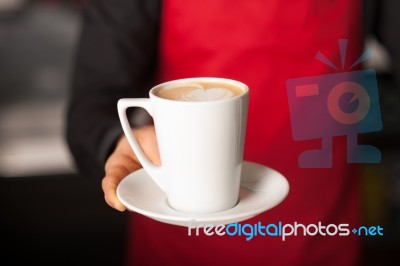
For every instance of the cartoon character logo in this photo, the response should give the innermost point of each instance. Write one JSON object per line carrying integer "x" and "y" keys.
{"x": 325, "y": 106}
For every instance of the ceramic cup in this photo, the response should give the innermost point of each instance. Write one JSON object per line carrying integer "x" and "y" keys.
{"x": 200, "y": 144}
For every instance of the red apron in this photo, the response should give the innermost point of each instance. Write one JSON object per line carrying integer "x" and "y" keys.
{"x": 262, "y": 43}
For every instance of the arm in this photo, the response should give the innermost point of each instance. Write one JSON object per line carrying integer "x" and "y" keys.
{"x": 116, "y": 57}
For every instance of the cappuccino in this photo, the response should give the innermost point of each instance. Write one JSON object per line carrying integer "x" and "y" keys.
{"x": 192, "y": 117}
{"x": 199, "y": 91}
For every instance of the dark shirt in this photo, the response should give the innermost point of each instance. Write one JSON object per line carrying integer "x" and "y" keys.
{"x": 116, "y": 58}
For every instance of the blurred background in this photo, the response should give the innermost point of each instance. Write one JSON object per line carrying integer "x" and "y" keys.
{"x": 50, "y": 215}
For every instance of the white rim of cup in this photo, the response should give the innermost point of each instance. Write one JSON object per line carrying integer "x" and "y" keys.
{"x": 185, "y": 80}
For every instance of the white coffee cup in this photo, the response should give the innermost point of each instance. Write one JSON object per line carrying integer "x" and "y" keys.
{"x": 200, "y": 143}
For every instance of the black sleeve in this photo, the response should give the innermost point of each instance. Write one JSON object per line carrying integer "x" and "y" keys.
{"x": 116, "y": 58}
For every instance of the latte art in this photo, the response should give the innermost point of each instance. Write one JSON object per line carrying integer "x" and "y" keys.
{"x": 194, "y": 92}
{"x": 207, "y": 95}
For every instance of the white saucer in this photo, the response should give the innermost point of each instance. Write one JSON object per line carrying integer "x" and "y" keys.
{"x": 262, "y": 188}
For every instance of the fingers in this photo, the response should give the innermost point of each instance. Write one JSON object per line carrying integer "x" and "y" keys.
{"x": 109, "y": 185}
{"x": 117, "y": 167}
{"x": 147, "y": 140}
{"x": 123, "y": 162}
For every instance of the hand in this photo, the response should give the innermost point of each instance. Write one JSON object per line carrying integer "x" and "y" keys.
{"x": 123, "y": 162}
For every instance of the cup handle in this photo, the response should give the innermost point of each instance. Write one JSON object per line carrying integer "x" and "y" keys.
{"x": 153, "y": 170}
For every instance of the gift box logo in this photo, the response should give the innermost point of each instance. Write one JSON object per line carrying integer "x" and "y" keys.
{"x": 344, "y": 103}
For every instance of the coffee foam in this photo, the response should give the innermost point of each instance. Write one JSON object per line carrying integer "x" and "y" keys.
{"x": 194, "y": 92}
